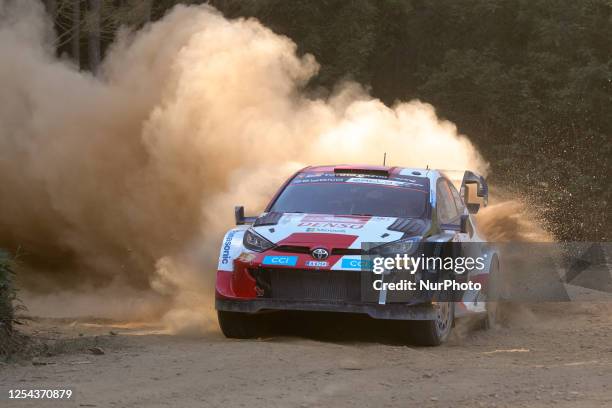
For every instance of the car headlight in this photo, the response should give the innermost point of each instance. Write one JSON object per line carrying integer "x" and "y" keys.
{"x": 255, "y": 242}
{"x": 401, "y": 247}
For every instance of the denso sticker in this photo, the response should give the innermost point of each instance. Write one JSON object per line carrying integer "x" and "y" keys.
{"x": 317, "y": 264}
{"x": 355, "y": 263}
{"x": 280, "y": 260}
{"x": 332, "y": 222}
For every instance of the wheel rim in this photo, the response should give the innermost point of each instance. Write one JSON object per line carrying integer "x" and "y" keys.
{"x": 443, "y": 318}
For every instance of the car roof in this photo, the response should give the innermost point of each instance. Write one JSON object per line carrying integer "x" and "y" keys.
{"x": 366, "y": 168}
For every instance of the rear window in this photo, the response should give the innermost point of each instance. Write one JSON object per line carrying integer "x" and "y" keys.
{"x": 323, "y": 193}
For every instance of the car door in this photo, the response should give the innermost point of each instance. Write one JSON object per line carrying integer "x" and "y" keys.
{"x": 468, "y": 244}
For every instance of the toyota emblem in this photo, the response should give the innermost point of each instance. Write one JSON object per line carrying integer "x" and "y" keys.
{"x": 320, "y": 253}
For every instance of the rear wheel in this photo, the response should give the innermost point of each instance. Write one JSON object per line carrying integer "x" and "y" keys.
{"x": 432, "y": 332}
{"x": 236, "y": 325}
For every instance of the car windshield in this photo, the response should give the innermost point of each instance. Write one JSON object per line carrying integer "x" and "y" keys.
{"x": 393, "y": 197}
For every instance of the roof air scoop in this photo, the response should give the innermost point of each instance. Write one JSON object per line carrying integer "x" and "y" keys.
{"x": 364, "y": 171}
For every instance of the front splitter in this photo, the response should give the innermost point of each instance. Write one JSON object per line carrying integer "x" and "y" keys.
{"x": 394, "y": 311}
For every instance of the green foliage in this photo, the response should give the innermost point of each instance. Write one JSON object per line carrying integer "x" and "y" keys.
{"x": 8, "y": 295}
{"x": 530, "y": 81}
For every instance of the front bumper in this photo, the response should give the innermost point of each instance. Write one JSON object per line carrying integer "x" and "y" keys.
{"x": 388, "y": 311}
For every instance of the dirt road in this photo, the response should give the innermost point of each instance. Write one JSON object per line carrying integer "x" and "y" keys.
{"x": 559, "y": 355}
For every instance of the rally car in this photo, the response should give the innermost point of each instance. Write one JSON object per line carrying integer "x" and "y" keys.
{"x": 309, "y": 250}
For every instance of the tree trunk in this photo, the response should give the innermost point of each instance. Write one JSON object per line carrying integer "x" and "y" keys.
{"x": 93, "y": 41}
{"x": 76, "y": 31}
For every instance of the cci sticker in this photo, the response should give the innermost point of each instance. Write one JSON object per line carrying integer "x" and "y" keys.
{"x": 352, "y": 263}
{"x": 280, "y": 260}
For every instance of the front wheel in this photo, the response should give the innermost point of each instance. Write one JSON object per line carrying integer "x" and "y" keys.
{"x": 432, "y": 332}
{"x": 493, "y": 305}
{"x": 237, "y": 325}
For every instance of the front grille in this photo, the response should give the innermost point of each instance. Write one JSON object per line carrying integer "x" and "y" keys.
{"x": 310, "y": 285}
{"x": 293, "y": 248}
{"x": 306, "y": 250}
{"x": 347, "y": 251}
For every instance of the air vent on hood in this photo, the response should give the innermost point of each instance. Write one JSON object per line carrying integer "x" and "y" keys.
{"x": 296, "y": 249}
{"x": 347, "y": 251}
{"x": 293, "y": 249}
{"x": 270, "y": 218}
{"x": 409, "y": 226}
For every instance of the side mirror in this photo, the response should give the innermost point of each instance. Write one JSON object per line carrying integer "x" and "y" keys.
{"x": 471, "y": 198}
{"x": 240, "y": 218}
{"x": 464, "y": 223}
{"x": 239, "y": 214}
{"x": 474, "y": 191}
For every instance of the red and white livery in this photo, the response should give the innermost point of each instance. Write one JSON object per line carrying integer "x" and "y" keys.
{"x": 310, "y": 248}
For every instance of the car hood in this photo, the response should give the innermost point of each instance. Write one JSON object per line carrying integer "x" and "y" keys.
{"x": 339, "y": 231}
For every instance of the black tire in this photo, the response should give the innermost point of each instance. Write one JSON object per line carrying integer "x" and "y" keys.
{"x": 432, "y": 332}
{"x": 493, "y": 305}
{"x": 236, "y": 325}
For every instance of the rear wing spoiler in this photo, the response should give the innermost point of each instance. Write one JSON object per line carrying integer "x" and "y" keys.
{"x": 482, "y": 190}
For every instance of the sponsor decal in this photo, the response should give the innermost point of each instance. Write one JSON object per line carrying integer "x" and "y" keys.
{"x": 326, "y": 230}
{"x": 356, "y": 263}
{"x": 317, "y": 264}
{"x": 330, "y": 225}
{"x": 392, "y": 183}
{"x": 280, "y": 260}
{"x": 316, "y": 180}
{"x": 227, "y": 245}
{"x": 331, "y": 222}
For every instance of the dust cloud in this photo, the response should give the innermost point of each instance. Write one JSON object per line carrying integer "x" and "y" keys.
{"x": 123, "y": 184}
{"x": 511, "y": 221}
